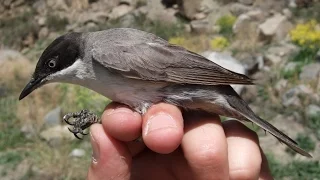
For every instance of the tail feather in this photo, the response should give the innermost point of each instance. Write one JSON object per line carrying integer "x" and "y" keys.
{"x": 242, "y": 108}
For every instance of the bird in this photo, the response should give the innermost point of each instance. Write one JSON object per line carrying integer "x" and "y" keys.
{"x": 139, "y": 69}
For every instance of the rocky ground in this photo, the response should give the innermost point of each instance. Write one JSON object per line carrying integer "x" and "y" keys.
{"x": 274, "y": 42}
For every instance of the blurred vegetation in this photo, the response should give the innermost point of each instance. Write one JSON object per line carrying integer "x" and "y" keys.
{"x": 306, "y": 35}
{"x": 226, "y": 24}
{"x": 219, "y": 43}
{"x": 15, "y": 29}
{"x": 55, "y": 22}
{"x": 295, "y": 170}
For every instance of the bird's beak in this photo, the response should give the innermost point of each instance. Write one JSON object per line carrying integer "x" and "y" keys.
{"x": 31, "y": 86}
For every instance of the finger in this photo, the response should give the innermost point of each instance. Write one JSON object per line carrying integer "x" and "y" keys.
{"x": 265, "y": 173}
{"x": 121, "y": 122}
{"x": 110, "y": 158}
{"x": 205, "y": 148}
{"x": 162, "y": 129}
{"x": 243, "y": 151}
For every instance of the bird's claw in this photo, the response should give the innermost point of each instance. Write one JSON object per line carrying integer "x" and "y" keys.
{"x": 81, "y": 121}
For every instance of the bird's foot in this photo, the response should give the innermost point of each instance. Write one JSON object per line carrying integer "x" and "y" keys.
{"x": 81, "y": 121}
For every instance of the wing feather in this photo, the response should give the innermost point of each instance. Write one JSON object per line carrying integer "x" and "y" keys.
{"x": 163, "y": 62}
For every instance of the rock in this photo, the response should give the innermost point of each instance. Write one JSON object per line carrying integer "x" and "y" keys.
{"x": 120, "y": 11}
{"x": 275, "y": 28}
{"x": 156, "y": 11}
{"x": 312, "y": 111}
{"x": 128, "y": 2}
{"x": 200, "y": 26}
{"x": 53, "y": 118}
{"x": 237, "y": 9}
{"x": 292, "y": 4}
{"x": 42, "y": 21}
{"x": 43, "y": 33}
{"x": 245, "y": 29}
{"x": 246, "y": 2}
{"x": 86, "y": 17}
{"x": 11, "y": 55}
{"x": 28, "y": 131}
{"x": 287, "y": 13}
{"x": 56, "y": 134}
{"x": 291, "y": 66}
{"x": 228, "y": 62}
{"x": 281, "y": 85}
{"x": 280, "y": 53}
{"x": 310, "y": 72}
{"x": 270, "y": 5}
{"x": 189, "y": 8}
{"x": 77, "y": 153}
{"x": 291, "y": 97}
{"x": 200, "y": 15}
{"x": 251, "y": 62}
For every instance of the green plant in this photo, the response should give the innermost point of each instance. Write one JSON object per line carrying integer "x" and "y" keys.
{"x": 305, "y": 142}
{"x": 313, "y": 122}
{"x": 306, "y": 35}
{"x": 13, "y": 30}
{"x": 219, "y": 43}
{"x": 226, "y": 23}
{"x": 55, "y": 22}
{"x": 10, "y": 135}
{"x": 294, "y": 170}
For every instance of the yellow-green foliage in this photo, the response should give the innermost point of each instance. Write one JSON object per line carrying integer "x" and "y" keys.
{"x": 219, "y": 43}
{"x": 226, "y": 23}
{"x": 306, "y": 35}
{"x": 178, "y": 41}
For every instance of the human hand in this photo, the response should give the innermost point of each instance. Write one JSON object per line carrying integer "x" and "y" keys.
{"x": 202, "y": 148}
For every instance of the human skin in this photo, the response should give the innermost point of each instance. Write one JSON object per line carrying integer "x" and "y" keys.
{"x": 200, "y": 148}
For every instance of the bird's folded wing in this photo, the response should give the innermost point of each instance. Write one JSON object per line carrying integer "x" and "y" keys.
{"x": 164, "y": 62}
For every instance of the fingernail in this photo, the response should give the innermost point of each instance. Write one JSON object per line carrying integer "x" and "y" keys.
{"x": 160, "y": 121}
{"x": 118, "y": 110}
{"x": 95, "y": 149}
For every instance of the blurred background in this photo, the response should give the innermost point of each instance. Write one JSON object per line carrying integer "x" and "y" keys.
{"x": 275, "y": 42}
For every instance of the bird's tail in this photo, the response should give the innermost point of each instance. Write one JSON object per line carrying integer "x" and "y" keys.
{"x": 242, "y": 108}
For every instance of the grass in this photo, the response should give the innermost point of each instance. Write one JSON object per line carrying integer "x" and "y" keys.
{"x": 295, "y": 170}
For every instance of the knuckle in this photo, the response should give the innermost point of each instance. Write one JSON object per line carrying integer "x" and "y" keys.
{"x": 206, "y": 157}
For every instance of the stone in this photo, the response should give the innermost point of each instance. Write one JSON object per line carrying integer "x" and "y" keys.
{"x": 120, "y": 11}
{"x": 200, "y": 15}
{"x": 281, "y": 85}
{"x": 270, "y": 5}
{"x": 53, "y": 118}
{"x": 200, "y": 26}
{"x": 43, "y": 33}
{"x": 312, "y": 111}
{"x": 275, "y": 28}
{"x": 156, "y": 11}
{"x": 287, "y": 13}
{"x": 55, "y": 135}
{"x": 42, "y": 21}
{"x": 77, "y": 153}
{"x": 189, "y": 8}
{"x": 246, "y": 2}
{"x": 237, "y": 9}
{"x": 28, "y": 131}
{"x": 11, "y": 55}
{"x": 280, "y": 53}
{"x": 310, "y": 72}
{"x": 291, "y": 66}
{"x": 291, "y": 97}
{"x": 128, "y": 2}
{"x": 96, "y": 17}
{"x": 228, "y": 62}
{"x": 251, "y": 62}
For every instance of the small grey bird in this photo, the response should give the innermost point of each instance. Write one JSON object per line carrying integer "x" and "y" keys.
{"x": 139, "y": 69}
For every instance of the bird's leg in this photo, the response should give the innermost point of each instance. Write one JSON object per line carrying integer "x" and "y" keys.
{"x": 81, "y": 121}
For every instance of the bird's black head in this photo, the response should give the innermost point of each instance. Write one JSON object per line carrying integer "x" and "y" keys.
{"x": 60, "y": 54}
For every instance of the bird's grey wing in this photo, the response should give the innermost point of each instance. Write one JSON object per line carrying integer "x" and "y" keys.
{"x": 164, "y": 62}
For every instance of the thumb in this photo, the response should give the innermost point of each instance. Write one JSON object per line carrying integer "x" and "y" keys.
{"x": 110, "y": 158}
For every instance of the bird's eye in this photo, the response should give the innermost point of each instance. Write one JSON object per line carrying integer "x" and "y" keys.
{"x": 52, "y": 63}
